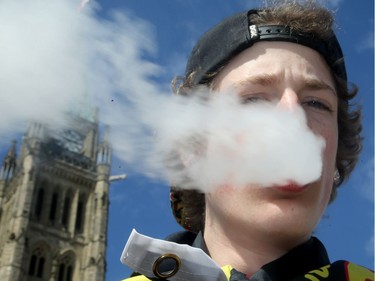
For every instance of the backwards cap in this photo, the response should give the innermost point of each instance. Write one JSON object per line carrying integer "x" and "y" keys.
{"x": 236, "y": 33}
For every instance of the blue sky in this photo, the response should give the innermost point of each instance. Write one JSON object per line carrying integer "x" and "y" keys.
{"x": 165, "y": 31}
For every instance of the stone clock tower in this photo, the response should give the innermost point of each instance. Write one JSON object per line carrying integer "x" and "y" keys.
{"x": 54, "y": 204}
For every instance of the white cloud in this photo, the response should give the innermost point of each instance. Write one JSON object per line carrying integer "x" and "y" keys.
{"x": 366, "y": 42}
{"x": 364, "y": 174}
{"x": 370, "y": 246}
{"x": 332, "y": 3}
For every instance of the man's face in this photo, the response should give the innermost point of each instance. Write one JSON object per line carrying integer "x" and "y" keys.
{"x": 292, "y": 75}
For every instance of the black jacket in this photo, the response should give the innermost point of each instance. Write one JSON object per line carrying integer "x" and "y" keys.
{"x": 308, "y": 261}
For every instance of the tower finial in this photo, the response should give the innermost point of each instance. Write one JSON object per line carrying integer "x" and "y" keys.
{"x": 105, "y": 151}
{"x": 9, "y": 162}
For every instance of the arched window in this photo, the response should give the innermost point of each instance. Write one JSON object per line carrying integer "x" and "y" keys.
{"x": 37, "y": 263}
{"x": 40, "y": 270}
{"x": 65, "y": 214}
{"x": 52, "y": 211}
{"x": 80, "y": 217}
{"x": 65, "y": 268}
{"x": 32, "y": 264}
{"x": 39, "y": 202}
{"x": 69, "y": 273}
{"x": 61, "y": 276}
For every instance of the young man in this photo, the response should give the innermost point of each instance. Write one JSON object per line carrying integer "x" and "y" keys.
{"x": 290, "y": 54}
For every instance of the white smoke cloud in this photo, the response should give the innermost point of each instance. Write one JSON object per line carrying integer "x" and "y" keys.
{"x": 221, "y": 141}
{"x": 54, "y": 57}
{"x": 42, "y": 60}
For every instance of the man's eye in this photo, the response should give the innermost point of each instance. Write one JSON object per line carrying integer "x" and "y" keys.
{"x": 318, "y": 105}
{"x": 251, "y": 99}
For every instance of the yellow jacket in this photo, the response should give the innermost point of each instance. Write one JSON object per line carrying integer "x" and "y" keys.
{"x": 227, "y": 269}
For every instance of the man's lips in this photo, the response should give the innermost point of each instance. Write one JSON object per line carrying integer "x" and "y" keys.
{"x": 290, "y": 187}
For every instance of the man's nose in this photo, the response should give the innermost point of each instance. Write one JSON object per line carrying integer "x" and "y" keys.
{"x": 288, "y": 100}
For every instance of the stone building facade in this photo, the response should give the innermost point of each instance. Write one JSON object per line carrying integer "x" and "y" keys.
{"x": 54, "y": 204}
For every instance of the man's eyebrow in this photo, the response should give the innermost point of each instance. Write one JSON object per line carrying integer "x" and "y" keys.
{"x": 262, "y": 80}
{"x": 316, "y": 84}
{"x": 270, "y": 79}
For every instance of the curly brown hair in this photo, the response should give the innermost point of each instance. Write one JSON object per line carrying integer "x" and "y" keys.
{"x": 311, "y": 18}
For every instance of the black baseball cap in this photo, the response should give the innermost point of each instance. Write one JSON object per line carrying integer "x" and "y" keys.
{"x": 235, "y": 34}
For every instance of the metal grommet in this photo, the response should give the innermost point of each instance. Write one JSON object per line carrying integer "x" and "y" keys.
{"x": 164, "y": 258}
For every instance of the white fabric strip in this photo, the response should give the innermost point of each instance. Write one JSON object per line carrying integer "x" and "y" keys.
{"x": 141, "y": 252}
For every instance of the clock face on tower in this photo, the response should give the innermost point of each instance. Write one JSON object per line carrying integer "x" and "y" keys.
{"x": 71, "y": 140}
